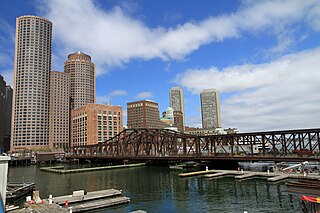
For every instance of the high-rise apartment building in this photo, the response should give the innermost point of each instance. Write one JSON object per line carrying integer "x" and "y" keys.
{"x": 2, "y": 110}
{"x": 82, "y": 79}
{"x": 144, "y": 114}
{"x": 59, "y": 110}
{"x": 32, "y": 66}
{"x": 210, "y": 109}
{"x": 95, "y": 123}
{"x": 177, "y": 102}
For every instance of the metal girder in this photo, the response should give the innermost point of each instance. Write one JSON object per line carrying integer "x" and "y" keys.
{"x": 162, "y": 143}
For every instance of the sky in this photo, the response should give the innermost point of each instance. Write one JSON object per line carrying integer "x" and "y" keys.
{"x": 262, "y": 56}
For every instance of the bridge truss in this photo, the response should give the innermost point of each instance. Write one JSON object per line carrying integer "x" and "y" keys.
{"x": 170, "y": 145}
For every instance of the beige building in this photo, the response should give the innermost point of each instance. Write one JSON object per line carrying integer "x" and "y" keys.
{"x": 82, "y": 76}
{"x": 59, "y": 110}
{"x": 95, "y": 123}
{"x": 143, "y": 114}
{"x": 177, "y": 103}
{"x": 210, "y": 109}
{"x": 32, "y": 66}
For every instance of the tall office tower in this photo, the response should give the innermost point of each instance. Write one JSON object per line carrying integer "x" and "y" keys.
{"x": 2, "y": 110}
{"x": 59, "y": 110}
{"x": 177, "y": 101}
{"x": 143, "y": 114}
{"x": 210, "y": 109}
{"x": 95, "y": 123}
{"x": 32, "y": 65}
{"x": 7, "y": 125}
{"x": 82, "y": 76}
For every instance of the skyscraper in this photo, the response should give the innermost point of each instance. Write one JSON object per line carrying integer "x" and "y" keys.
{"x": 32, "y": 65}
{"x": 82, "y": 79}
{"x": 177, "y": 103}
{"x": 144, "y": 114}
{"x": 210, "y": 109}
{"x": 59, "y": 110}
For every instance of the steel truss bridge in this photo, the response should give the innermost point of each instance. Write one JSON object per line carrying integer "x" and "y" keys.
{"x": 168, "y": 145}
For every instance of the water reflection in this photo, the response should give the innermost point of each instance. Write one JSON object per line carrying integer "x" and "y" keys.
{"x": 156, "y": 189}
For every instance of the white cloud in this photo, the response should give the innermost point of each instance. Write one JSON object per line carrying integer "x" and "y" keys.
{"x": 112, "y": 37}
{"x": 105, "y": 98}
{"x": 118, "y": 93}
{"x": 144, "y": 95}
{"x": 281, "y": 94}
{"x": 102, "y": 99}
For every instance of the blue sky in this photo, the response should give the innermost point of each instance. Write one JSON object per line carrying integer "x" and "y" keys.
{"x": 263, "y": 56}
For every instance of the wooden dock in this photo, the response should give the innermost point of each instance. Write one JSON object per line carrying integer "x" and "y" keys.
{"x": 16, "y": 190}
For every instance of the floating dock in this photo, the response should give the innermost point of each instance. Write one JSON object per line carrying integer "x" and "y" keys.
{"x": 245, "y": 175}
{"x": 61, "y": 170}
{"x": 97, "y": 204}
{"x": 79, "y": 201}
{"x": 41, "y": 208}
{"x": 80, "y": 196}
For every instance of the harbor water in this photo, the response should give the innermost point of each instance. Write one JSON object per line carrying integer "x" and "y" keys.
{"x": 157, "y": 189}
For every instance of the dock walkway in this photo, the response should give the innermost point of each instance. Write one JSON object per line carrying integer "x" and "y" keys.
{"x": 245, "y": 175}
{"x": 86, "y": 197}
{"x": 100, "y": 204}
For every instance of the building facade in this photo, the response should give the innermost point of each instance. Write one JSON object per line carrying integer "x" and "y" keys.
{"x": 210, "y": 109}
{"x": 178, "y": 121}
{"x": 95, "y": 123}
{"x": 32, "y": 66}
{"x": 205, "y": 132}
{"x": 82, "y": 77}
{"x": 177, "y": 102}
{"x": 2, "y": 111}
{"x": 143, "y": 114}
{"x": 8, "y": 118}
{"x": 59, "y": 110}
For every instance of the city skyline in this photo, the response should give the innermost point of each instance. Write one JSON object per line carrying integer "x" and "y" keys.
{"x": 267, "y": 74}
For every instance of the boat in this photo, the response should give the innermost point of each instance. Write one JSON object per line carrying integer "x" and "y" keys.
{"x": 259, "y": 166}
{"x": 310, "y": 204}
{"x": 309, "y": 192}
